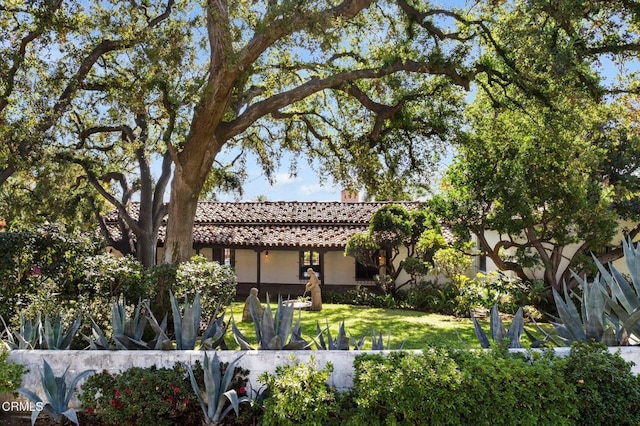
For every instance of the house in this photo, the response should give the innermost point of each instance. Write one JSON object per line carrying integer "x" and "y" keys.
{"x": 271, "y": 245}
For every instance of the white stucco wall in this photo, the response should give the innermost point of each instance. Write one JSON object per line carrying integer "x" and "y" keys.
{"x": 339, "y": 269}
{"x": 256, "y": 362}
{"x": 245, "y": 267}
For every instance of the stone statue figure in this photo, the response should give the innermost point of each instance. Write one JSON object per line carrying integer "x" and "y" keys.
{"x": 313, "y": 287}
{"x": 253, "y": 298}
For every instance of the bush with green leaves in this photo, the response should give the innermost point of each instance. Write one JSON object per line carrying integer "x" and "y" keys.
{"x": 298, "y": 394}
{"x": 30, "y": 257}
{"x": 407, "y": 389}
{"x": 10, "y": 373}
{"x": 141, "y": 396}
{"x": 501, "y": 388}
{"x": 216, "y": 283}
{"x": 608, "y": 392}
{"x": 427, "y": 296}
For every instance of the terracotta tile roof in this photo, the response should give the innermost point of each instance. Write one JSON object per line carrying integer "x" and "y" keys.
{"x": 274, "y": 224}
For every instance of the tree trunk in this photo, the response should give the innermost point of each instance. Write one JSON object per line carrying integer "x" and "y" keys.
{"x": 182, "y": 212}
{"x": 191, "y": 170}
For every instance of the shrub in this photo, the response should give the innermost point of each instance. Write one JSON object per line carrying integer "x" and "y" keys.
{"x": 30, "y": 257}
{"x": 500, "y": 388}
{"x": 298, "y": 394}
{"x": 216, "y": 283}
{"x": 141, "y": 396}
{"x": 10, "y": 373}
{"x": 430, "y": 297}
{"x": 608, "y": 392}
{"x": 407, "y": 389}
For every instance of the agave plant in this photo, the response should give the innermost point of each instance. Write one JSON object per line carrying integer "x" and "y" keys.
{"x": 28, "y": 337}
{"x": 54, "y": 336}
{"x": 187, "y": 324}
{"x": 497, "y": 330}
{"x": 273, "y": 332}
{"x": 98, "y": 340}
{"x": 377, "y": 342}
{"x": 128, "y": 330}
{"x": 621, "y": 295}
{"x": 592, "y": 321}
{"x": 218, "y": 390}
{"x": 341, "y": 342}
{"x": 57, "y": 395}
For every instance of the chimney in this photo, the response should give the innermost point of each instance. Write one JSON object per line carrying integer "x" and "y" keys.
{"x": 347, "y": 196}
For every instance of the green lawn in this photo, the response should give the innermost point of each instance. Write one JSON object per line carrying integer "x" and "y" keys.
{"x": 418, "y": 329}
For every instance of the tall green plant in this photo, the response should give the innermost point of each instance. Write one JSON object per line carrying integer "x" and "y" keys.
{"x": 497, "y": 330}
{"x": 218, "y": 389}
{"x": 187, "y": 324}
{"x": 57, "y": 394}
{"x": 54, "y": 335}
{"x": 27, "y": 337}
{"x": 273, "y": 332}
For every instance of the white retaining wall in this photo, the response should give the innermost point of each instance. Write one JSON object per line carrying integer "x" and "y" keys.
{"x": 256, "y": 362}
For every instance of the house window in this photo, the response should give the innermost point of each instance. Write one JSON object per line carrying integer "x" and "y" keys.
{"x": 482, "y": 263}
{"x": 365, "y": 273}
{"x": 309, "y": 259}
{"x": 224, "y": 256}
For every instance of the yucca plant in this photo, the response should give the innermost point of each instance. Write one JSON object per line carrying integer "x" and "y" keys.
{"x": 218, "y": 390}
{"x": 273, "y": 332}
{"x": 28, "y": 337}
{"x": 497, "y": 330}
{"x": 54, "y": 335}
{"x": 57, "y": 394}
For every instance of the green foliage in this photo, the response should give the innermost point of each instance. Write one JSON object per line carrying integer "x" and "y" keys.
{"x": 141, "y": 396}
{"x": 500, "y": 388}
{"x": 10, "y": 373}
{"x": 405, "y": 389}
{"x": 111, "y": 277}
{"x": 392, "y": 227}
{"x": 431, "y": 297}
{"x": 27, "y": 336}
{"x": 486, "y": 290}
{"x": 47, "y": 255}
{"x": 216, "y": 283}
{"x": 57, "y": 395}
{"x": 464, "y": 387}
{"x": 608, "y": 392}
{"x": 298, "y": 394}
{"x": 222, "y": 383}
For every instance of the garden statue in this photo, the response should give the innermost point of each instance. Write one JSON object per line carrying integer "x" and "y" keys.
{"x": 246, "y": 312}
{"x": 313, "y": 287}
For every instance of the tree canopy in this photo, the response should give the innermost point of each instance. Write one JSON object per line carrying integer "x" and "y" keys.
{"x": 368, "y": 91}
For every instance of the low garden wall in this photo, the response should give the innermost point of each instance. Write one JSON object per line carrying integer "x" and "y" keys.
{"x": 256, "y": 362}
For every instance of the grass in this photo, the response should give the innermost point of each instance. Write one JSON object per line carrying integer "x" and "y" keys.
{"x": 418, "y": 330}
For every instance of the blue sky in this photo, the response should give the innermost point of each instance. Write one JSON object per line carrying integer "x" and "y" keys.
{"x": 305, "y": 186}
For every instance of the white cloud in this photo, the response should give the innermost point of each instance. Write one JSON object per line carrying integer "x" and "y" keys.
{"x": 282, "y": 179}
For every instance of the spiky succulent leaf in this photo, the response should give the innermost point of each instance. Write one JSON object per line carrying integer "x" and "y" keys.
{"x": 496, "y": 327}
{"x": 480, "y": 334}
{"x": 569, "y": 316}
{"x": 516, "y": 328}
{"x": 240, "y": 339}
